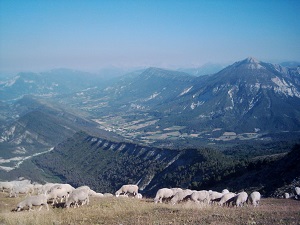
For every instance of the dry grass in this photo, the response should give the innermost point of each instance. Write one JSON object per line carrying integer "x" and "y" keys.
{"x": 134, "y": 211}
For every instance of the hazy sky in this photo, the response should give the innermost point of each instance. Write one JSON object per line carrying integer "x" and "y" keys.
{"x": 88, "y": 34}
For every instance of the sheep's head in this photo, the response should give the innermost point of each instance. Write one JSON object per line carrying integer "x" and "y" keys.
{"x": 117, "y": 193}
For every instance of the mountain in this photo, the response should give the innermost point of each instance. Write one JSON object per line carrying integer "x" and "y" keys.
{"x": 247, "y": 96}
{"x": 46, "y": 84}
{"x": 134, "y": 92}
{"x": 248, "y": 100}
{"x": 36, "y": 127}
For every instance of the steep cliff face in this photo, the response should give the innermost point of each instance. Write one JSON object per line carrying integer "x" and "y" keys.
{"x": 105, "y": 165}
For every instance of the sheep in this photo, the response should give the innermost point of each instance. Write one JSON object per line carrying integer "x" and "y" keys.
{"x": 36, "y": 200}
{"x": 128, "y": 188}
{"x": 94, "y": 193}
{"x": 67, "y": 187}
{"x": 175, "y": 190}
{"x": 215, "y": 196}
{"x": 286, "y": 195}
{"x": 202, "y": 196}
{"x": 139, "y": 196}
{"x": 225, "y": 191}
{"x": 241, "y": 198}
{"x": 227, "y": 198}
{"x": 163, "y": 193}
{"x": 180, "y": 195}
{"x": 16, "y": 190}
{"x": 85, "y": 188}
{"x": 254, "y": 198}
{"x": 6, "y": 185}
{"x": 107, "y": 195}
{"x": 98, "y": 195}
{"x": 46, "y": 188}
{"x": 38, "y": 188}
{"x": 297, "y": 191}
{"x": 57, "y": 193}
{"x": 9, "y": 185}
{"x": 77, "y": 196}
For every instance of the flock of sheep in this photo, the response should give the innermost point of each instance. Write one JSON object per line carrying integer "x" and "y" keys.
{"x": 68, "y": 196}
{"x": 57, "y": 194}
{"x": 176, "y": 195}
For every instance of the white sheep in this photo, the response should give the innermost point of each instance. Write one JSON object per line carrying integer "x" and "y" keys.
{"x": 67, "y": 187}
{"x": 16, "y": 190}
{"x": 94, "y": 193}
{"x": 180, "y": 196}
{"x": 200, "y": 196}
{"x": 225, "y": 191}
{"x": 163, "y": 193}
{"x": 254, "y": 198}
{"x": 297, "y": 191}
{"x": 37, "y": 200}
{"x": 127, "y": 189}
{"x": 6, "y": 185}
{"x": 38, "y": 188}
{"x": 46, "y": 188}
{"x": 139, "y": 196}
{"x": 56, "y": 193}
{"x": 241, "y": 198}
{"x": 286, "y": 195}
{"x": 77, "y": 196}
{"x": 215, "y": 196}
{"x": 175, "y": 190}
{"x": 9, "y": 185}
{"x": 85, "y": 188}
{"x": 227, "y": 198}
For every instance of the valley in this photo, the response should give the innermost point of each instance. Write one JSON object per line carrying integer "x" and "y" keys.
{"x": 156, "y": 127}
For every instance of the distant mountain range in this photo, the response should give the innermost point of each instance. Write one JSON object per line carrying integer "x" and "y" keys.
{"x": 243, "y": 101}
{"x": 165, "y": 125}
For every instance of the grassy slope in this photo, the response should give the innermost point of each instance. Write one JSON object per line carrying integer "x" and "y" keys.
{"x": 133, "y": 211}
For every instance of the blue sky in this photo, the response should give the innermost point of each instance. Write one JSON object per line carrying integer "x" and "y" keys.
{"x": 89, "y": 35}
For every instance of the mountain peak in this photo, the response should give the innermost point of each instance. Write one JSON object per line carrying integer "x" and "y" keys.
{"x": 251, "y": 63}
{"x": 251, "y": 60}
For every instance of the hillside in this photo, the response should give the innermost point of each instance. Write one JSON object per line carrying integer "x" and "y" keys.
{"x": 105, "y": 165}
{"x": 34, "y": 126}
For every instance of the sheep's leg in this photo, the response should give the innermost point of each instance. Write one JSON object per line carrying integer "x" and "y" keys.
{"x": 40, "y": 207}
{"x": 47, "y": 207}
